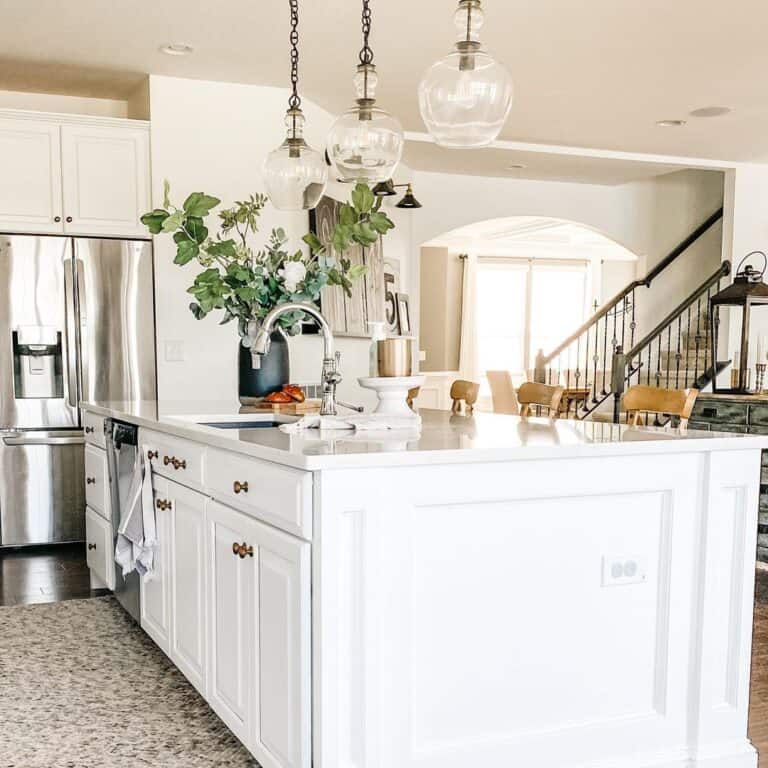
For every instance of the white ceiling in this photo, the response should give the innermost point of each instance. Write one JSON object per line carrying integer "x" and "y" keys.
{"x": 533, "y": 236}
{"x": 543, "y": 166}
{"x": 596, "y": 73}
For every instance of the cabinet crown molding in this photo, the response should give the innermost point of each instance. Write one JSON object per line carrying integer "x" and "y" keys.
{"x": 65, "y": 118}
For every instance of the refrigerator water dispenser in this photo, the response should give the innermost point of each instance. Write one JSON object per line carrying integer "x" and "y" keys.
{"x": 37, "y": 365}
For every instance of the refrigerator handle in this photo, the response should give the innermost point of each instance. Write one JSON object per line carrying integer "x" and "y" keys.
{"x": 81, "y": 327}
{"x": 70, "y": 335}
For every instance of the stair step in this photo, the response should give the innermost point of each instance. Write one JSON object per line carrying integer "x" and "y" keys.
{"x": 687, "y": 359}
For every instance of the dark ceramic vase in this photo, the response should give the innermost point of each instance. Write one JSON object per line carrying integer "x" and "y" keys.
{"x": 270, "y": 376}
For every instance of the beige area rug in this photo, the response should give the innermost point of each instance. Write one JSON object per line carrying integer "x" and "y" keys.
{"x": 82, "y": 686}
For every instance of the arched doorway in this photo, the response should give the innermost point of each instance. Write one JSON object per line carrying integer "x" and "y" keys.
{"x": 494, "y": 292}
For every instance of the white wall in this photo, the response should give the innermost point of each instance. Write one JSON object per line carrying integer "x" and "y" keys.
{"x": 745, "y": 230}
{"x": 213, "y": 137}
{"x": 649, "y": 218}
{"x": 73, "y": 105}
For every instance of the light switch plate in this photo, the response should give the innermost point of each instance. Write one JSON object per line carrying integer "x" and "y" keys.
{"x": 174, "y": 351}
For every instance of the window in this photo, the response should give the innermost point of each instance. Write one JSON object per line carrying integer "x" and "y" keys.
{"x": 524, "y": 306}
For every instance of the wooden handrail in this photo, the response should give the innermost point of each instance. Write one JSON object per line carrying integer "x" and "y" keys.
{"x": 643, "y": 283}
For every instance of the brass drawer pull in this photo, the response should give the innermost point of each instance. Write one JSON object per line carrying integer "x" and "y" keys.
{"x": 91, "y": 546}
{"x": 153, "y": 455}
{"x": 90, "y": 481}
{"x": 240, "y": 487}
{"x": 242, "y": 550}
{"x": 179, "y": 463}
{"x": 163, "y": 504}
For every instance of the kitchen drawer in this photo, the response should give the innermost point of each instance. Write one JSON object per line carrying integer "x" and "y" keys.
{"x": 719, "y": 412}
{"x": 93, "y": 426}
{"x": 702, "y": 425}
{"x": 97, "y": 481}
{"x": 758, "y": 415}
{"x": 275, "y": 494}
{"x": 172, "y": 457}
{"x": 100, "y": 547}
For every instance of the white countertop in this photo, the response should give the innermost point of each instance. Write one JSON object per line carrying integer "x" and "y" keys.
{"x": 443, "y": 439}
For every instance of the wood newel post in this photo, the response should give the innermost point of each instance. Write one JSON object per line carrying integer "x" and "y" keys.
{"x": 539, "y": 370}
{"x": 618, "y": 377}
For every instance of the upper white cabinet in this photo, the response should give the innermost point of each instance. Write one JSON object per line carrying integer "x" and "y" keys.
{"x": 105, "y": 178}
{"x": 30, "y": 188}
{"x": 74, "y": 176}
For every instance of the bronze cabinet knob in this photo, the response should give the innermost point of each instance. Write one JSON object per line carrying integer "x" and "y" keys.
{"x": 90, "y": 480}
{"x": 57, "y": 219}
{"x": 239, "y": 487}
{"x": 91, "y": 546}
{"x": 179, "y": 463}
{"x": 69, "y": 219}
{"x": 163, "y": 504}
{"x": 89, "y": 430}
{"x": 153, "y": 455}
{"x": 242, "y": 550}
{"x": 167, "y": 460}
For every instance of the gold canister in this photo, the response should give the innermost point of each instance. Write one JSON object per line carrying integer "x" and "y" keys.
{"x": 395, "y": 357}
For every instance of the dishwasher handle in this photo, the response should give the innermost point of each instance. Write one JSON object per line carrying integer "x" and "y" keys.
{"x": 43, "y": 441}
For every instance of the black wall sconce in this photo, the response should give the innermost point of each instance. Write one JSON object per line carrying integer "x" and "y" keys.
{"x": 387, "y": 189}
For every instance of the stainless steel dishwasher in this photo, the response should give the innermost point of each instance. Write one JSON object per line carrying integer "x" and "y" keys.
{"x": 122, "y": 462}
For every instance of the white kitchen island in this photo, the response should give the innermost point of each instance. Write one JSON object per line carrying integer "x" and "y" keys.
{"x": 491, "y": 592}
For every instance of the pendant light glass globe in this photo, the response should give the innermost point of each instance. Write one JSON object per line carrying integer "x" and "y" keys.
{"x": 295, "y": 175}
{"x": 366, "y": 142}
{"x": 465, "y": 98}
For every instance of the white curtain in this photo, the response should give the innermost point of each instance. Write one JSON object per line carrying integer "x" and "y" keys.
{"x": 468, "y": 364}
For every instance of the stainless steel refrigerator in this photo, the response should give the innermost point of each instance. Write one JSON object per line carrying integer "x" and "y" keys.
{"x": 76, "y": 323}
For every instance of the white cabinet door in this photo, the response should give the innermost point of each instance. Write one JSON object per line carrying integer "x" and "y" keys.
{"x": 155, "y": 589}
{"x": 230, "y": 612}
{"x": 280, "y": 735}
{"x": 106, "y": 181}
{"x": 30, "y": 187}
{"x": 187, "y": 578}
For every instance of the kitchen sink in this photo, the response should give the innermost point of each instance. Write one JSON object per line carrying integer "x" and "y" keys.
{"x": 270, "y": 424}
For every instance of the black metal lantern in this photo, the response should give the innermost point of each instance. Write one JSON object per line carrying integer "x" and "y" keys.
{"x": 747, "y": 291}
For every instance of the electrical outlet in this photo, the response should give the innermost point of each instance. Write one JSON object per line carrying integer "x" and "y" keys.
{"x": 174, "y": 351}
{"x": 422, "y": 355}
{"x": 619, "y": 570}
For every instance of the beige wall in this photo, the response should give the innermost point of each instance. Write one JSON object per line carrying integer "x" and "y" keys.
{"x": 440, "y": 318}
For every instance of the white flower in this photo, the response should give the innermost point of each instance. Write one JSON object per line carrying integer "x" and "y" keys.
{"x": 293, "y": 273}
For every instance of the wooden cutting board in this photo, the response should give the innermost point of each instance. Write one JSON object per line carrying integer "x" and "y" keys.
{"x": 290, "y": 409}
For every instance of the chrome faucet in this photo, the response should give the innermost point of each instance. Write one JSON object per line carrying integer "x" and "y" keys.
{"x": 330, "y": 376}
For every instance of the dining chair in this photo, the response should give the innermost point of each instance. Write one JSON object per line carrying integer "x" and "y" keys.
{"x": 532, "y": 394}
{"x": 502, "y": 392}
{"x": 465, "y": 392}
{"x": 677, "y": 403}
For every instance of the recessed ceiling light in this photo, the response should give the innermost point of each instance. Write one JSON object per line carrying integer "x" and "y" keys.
{"x": 516, "y": 166}
{"x": 710, "y": 112}
{"x": 670, "y": 123}
{"x": 176, "y": 49}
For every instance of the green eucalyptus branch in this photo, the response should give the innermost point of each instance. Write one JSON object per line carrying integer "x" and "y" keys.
{"x": 248, "y": 285}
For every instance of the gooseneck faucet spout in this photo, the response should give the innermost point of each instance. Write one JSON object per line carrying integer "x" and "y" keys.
{"x": 330, "y": 375}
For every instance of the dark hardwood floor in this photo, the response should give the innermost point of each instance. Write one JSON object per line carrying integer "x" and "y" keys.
{"x": 44, "y": 575}
{"x": 758, "y": 702}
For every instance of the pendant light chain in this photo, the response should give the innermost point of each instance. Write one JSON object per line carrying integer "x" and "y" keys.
{"x": 366, "y": 54}
{"x": 294, "y": 102}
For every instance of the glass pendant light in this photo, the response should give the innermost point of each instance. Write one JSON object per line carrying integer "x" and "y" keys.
{"x": 295, "y": 174}
{"x": 465, "y": 97}
{"x": 366, "y": 142}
